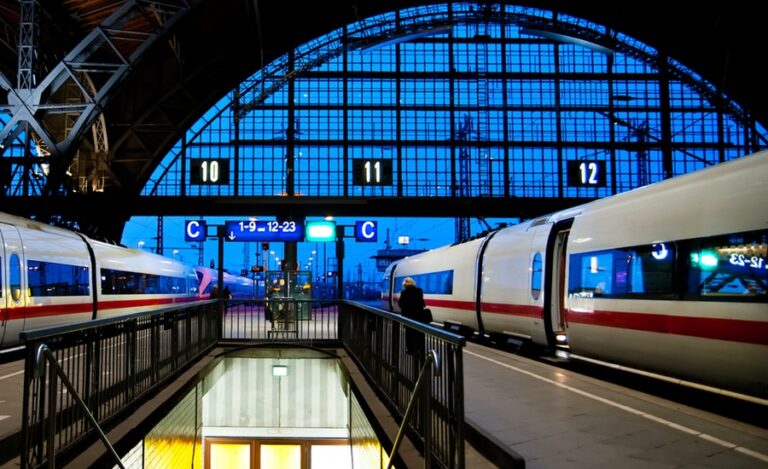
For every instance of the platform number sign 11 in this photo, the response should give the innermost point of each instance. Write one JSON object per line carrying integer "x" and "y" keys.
{"x": 209, "y": 171}
{"x": 583, "y": 173}
{"x": 372, "y": 172}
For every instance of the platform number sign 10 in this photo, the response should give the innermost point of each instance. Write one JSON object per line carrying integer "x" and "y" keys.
{"x": 583, "y": 173}
{"x": 209, "y": 171}
{"x": 372, "y": 172}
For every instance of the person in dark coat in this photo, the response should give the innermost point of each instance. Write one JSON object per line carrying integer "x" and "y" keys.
{"x": 411, "y": 302}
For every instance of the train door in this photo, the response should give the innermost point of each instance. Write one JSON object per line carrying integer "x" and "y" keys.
{"x": 11, "y": 280}
{"x": 389, "y": 287}
{"x": 554, "y": 303}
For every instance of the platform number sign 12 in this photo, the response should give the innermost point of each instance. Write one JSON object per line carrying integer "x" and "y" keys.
{"x": 372, "y": 172}
{"x": 209, "y": 171}
{"x": 583, "y": 173}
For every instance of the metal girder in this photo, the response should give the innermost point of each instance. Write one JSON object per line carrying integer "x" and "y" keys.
{"x": 101, "y": 61}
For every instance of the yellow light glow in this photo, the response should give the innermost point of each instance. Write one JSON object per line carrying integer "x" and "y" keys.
{"x": 331, "y": 457}
{"x": 280, "y": 456}
{"x": 228, "y": 455}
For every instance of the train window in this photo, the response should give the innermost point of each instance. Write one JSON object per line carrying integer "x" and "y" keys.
{"x": 435, "y": 283}
{"x": 118, "y": 282}
{"x": 536, "y": 276}
{"x": 52, "y": 279}
{"x": 14, "y": 271}
{"x": 633, "y": 272}
{"x": 730, "y": 267}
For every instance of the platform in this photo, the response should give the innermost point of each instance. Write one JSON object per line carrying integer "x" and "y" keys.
{"x": 550, "y": 416}
{"x": 556, "y": 418}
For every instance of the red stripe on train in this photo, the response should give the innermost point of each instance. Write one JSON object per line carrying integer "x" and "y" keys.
{"x": 39, "y": 311}
{"x": 495, "y": 308}
{"x": 735, "y": 330}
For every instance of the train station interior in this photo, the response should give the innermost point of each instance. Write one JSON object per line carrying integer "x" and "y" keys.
{"x": 271, "y": 167}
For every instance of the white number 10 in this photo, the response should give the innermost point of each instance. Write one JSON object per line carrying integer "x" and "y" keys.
{"x": 210, "y": 171}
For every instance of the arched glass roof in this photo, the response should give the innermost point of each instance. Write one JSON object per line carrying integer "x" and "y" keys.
{"x": 461, "y": 100}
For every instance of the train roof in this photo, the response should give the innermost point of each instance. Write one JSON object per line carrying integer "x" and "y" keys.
{"x": 36, "y": 225}
{"x": 745, "y": 165}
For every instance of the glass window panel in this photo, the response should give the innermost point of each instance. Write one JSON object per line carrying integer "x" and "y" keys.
{"x": 331, "y": 457}
{"x": 732, "y": 267}
{"x": 380, "y": 59}
{"x": 400, "y": 96}
{"x": 368, "y": 92}
{"x": 14, "y": 275}
{"x": 423, "y": 57}
{"x": 530, "y": 58}
{"x": 427, "y": 171}
{"x": 534, "y": 172}
{"x": 640, "y": 271}
{"x": 52, "y": 279}
{"x": 371, "y": 124}
{"x": 318, "y": 92}
{"x": 536, "y": 269}
{"x": 230, "y": 455}
{"x": 532, "y": 126}
{"x": 584, "y": 93}
{"x": 281, "y": 456}
{"x": 580, "y": 59}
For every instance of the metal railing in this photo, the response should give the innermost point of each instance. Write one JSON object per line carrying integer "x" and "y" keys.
{"x": 377, "y": 341}
{"x": 425, "y": 375}
{"x": 281, "y": 319}
{"x": 109, "y": 363}
{"x": 44, "y": 355}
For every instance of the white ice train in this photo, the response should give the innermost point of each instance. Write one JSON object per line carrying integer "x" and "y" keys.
{"x": 669, "y": 279}
{"x": 52, "y": 276}
{"x": 239, "y": 287}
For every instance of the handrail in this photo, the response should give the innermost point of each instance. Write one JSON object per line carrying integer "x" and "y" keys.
{"x": 430, "y": 358}
{"x": 43, "y": 352}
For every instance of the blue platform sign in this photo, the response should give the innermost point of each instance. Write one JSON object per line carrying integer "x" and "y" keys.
{"x": 264, "y": 231}
{"x": 194, "y": 230}
{"x": 366, "y": 231}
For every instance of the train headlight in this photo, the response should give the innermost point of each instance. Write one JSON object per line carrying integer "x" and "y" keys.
{"x": 561, "y": 338}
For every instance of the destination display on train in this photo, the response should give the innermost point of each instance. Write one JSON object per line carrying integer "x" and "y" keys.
{"x": 261, "y": 230}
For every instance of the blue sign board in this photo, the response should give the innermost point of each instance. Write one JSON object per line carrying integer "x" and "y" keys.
{"x": 258, "y": 230}
{"x": 194, "y": 230}
{"x": 366, "y": 231}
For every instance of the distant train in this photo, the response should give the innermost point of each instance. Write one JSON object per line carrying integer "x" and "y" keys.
{"x": 238, "y": 287}
{"x": 671, "y": 279}
{"x": 51, "y": 276}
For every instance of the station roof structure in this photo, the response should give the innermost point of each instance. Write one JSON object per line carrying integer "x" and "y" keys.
{"x": 157, "y": 66}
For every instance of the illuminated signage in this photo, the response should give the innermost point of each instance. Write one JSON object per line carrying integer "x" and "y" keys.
{"x": 372, "y": 172}
{"x": 366, "y": 231}
{"x": 320, "y": 231}
{"x": 194, "y": 230}
{"x": 208, "y": 172}
{"x": 260, "y": 230}
{"x": 586, "y": 173}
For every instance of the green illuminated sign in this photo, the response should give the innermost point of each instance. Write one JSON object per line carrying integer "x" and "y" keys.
{"x": 320, "y": 231}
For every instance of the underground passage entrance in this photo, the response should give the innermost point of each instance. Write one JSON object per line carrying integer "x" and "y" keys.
{"x": 265, "y": 408}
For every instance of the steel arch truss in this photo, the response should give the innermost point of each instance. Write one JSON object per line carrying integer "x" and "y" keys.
{"x": 45, "y": 124}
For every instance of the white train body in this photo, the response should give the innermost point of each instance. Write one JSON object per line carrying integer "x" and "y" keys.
{"x": 48, "y": 278}
{"x": 239, "y": 287}
{"x": 670, "y": 278}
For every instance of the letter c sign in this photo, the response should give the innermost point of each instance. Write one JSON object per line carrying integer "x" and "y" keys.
{"x": 194, "y": 230}
{"x": 366, "y": 231}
